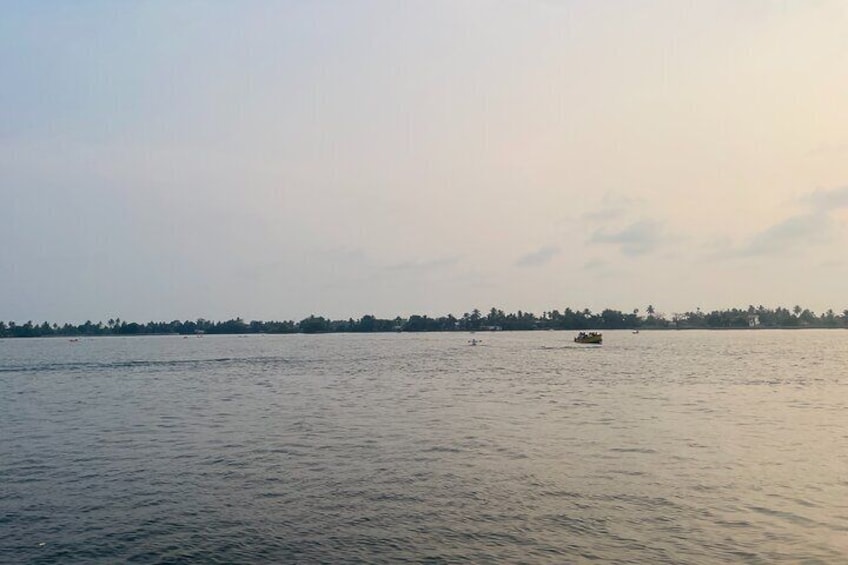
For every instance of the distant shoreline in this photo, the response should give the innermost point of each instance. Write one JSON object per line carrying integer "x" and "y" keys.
{"x": 750, "y": 318}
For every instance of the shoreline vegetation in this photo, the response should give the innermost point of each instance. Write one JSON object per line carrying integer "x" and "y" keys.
{"x": 494, "y": 320}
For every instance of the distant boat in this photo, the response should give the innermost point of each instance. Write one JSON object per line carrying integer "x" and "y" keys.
{"x": 593, "y": 338}
{"x": 635, "y": 331}
{"x": 474, "y": 341}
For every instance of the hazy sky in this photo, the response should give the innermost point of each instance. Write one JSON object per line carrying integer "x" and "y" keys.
{"x": 270, "y": 160}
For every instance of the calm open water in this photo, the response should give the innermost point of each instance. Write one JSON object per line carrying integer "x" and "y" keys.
{"x": 661, "y": 447}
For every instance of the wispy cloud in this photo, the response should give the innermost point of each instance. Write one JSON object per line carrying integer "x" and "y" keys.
{"x": 637, "y": 238}
{"x": 828, "y": 200}
{"x": 613, "y": 207}
{"x": 801, "y": 229}
{"x": 812, "y": 226}
{"x": 539, "y": 257}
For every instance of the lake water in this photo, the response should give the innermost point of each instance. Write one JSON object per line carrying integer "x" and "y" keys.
{"x": 661, "y": 447}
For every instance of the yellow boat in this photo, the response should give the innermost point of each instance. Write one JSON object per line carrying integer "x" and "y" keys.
{"x": 589, "y": 337}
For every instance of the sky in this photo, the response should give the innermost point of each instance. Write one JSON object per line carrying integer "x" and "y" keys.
{"x": 270, "y": 160}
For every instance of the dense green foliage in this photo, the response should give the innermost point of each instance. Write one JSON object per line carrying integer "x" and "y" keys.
{"x": 495, "y": 319}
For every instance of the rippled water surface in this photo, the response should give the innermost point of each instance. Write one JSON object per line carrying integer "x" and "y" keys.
{"x": 675, "y": 447}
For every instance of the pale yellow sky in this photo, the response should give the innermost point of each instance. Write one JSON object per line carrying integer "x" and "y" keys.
{"x": 272, "y": 160}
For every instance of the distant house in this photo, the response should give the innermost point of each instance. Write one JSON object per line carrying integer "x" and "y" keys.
{"x": 753, "y": 321}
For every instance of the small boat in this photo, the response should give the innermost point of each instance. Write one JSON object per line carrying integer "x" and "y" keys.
{"x": 589, "y": 337}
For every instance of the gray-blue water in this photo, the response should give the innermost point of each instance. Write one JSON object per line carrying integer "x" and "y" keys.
{"x": 661, "y": 447}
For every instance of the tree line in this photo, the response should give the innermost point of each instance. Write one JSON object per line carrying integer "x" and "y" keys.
{"x": 494, "y": 320}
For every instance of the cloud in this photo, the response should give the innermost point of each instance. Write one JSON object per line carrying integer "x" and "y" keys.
{"x": 604, "y": 214}
{"x": 637, "y": 238}
{"x": 613, "y": 207}
{"x": 812, "y": 226}
{"x": 828, "y": 200}
{"x": 541, "y": 256}
{"x": 801, "y": 229}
